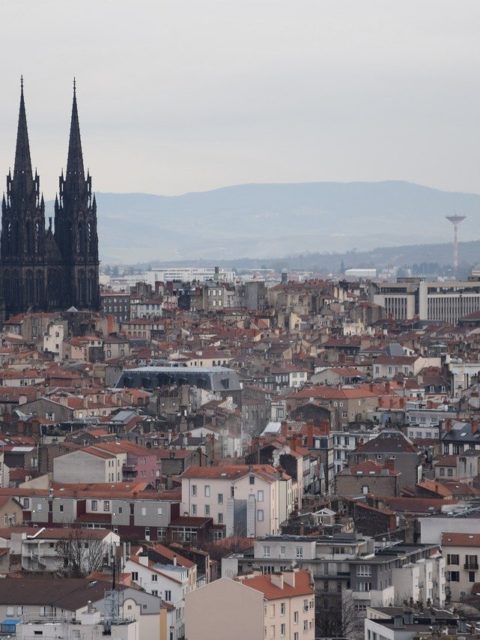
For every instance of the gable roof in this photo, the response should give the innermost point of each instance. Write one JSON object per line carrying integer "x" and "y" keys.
{"x": 264, "y": 583}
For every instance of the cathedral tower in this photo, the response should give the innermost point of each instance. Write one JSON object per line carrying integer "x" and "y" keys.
{"x": 23, "y": 236}
{"x": 76, "y": 225}
{"x": 41, "y": 270}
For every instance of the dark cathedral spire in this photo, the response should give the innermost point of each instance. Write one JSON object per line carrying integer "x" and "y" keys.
{"x": 45, "y": 269}
{"x": 23, "y": 163}
{"x": 75, "y": 171}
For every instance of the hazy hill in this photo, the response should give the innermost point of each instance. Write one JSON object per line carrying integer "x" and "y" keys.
{"x": 275, "y": 220}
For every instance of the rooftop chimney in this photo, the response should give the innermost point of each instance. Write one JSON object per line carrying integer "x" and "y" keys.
{"x": 277, "y": 580}
{"x": 289, "y": 578}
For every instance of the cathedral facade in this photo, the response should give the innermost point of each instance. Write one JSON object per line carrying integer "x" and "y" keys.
{"x": 44, "y": 268}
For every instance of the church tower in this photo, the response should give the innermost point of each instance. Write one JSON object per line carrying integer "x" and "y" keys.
{"x": 76, "y": 226}
{"x": 23, "y": 237}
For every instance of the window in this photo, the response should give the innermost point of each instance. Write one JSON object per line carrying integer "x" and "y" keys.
{"x": 207, "y": 491}
{"x": 364, "y": 570}
{"x": 471, "y": 576}
{"x": 299, "y": 552}
{"x": 259, "y": 495}
{"x": 60, "y": 507}
{"x": 260, "y": 515}
{"x": 295, "y": 617}
{"x": 305, "y": 625}
{"x": 364, "y": 586}
{"x": 207, "y": 509}
{"x": 220, "y": 498}
{"x": 252, "y": 479}
{"x": 453, "y": 558}
{"x": 266, "y": 551}
{"x": 283, "y": 629}
{"x": 194, "y": 489}
{"x": 295, "y": 636}
{"x": 194, "y": 509}
{"x": 144, "y": 511}
{"x": 283, "y": 551}
{"x": 454, "y": 576}
{"x": 106, "y": 505}
{"x": 159, "y": 511}
{"x": 154, "y": 577}
{"x": 168, "y": 595}
{"x": 135, "y": 576}
{"x": 471, "y": 562}
{"x": 220, "y": 518}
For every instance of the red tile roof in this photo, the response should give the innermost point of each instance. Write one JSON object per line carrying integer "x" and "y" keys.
{"x": 460, "y": 539}
{"x": 264, "y": 583}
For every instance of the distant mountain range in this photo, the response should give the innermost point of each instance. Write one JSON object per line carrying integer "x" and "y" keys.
{"x": 265, "y": 221}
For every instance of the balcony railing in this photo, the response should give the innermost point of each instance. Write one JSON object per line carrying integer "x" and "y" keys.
{"x": 471, "y": 565}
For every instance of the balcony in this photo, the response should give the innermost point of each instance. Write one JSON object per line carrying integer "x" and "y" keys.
{"x": 471, "y": 565}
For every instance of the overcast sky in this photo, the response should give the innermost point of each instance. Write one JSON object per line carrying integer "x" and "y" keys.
{"x": 187, "y": 95}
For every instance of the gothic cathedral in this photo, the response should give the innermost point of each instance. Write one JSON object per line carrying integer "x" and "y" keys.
{"x": 45, "y": 269}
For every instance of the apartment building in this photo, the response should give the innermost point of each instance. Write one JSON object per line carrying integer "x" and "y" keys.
{"x": 116, "y": 304}
{"x": 92, "y": 464}
{"x": 345, "y": 442}
{"x": 462, "y": 468}
{"x": 344, "y": 405}
{"x": 390, "y": 445}
{"x": 54, "y": 607}
{"x": 251, "y": 500}
{"x": 368, "y": 477}
{"x": 170, "y": 581}
{"x": 395, "y": 623}
{"x": 462, "y": 551}
{"x": 349, "y": 572}
{"x": 127, "y": 509}
{"x": 51, "y": 549}
{"x": 444, "y": 301}
{"x": 255, "y": 606}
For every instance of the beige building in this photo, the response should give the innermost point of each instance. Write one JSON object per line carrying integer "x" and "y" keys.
{"x": 257, "y": 607}
{"x": 11, "y": 512}
{"x": 461, "y": 551}
{"x": 91, "y": 464}
{"x": 250, "y": 500}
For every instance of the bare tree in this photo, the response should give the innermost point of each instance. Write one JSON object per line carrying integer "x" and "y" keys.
{"x": 80, "y": 553}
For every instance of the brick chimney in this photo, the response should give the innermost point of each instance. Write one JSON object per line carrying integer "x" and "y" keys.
{"x": 293, "y": 442}
{"x": 390, "y": 465}
{"x": 310, "y": 436}
{"x": 448, "y": 425}
{"x": 474, "y": 426}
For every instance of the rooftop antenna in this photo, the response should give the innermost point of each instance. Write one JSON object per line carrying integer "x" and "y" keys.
{"x": 455, "y": 220}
